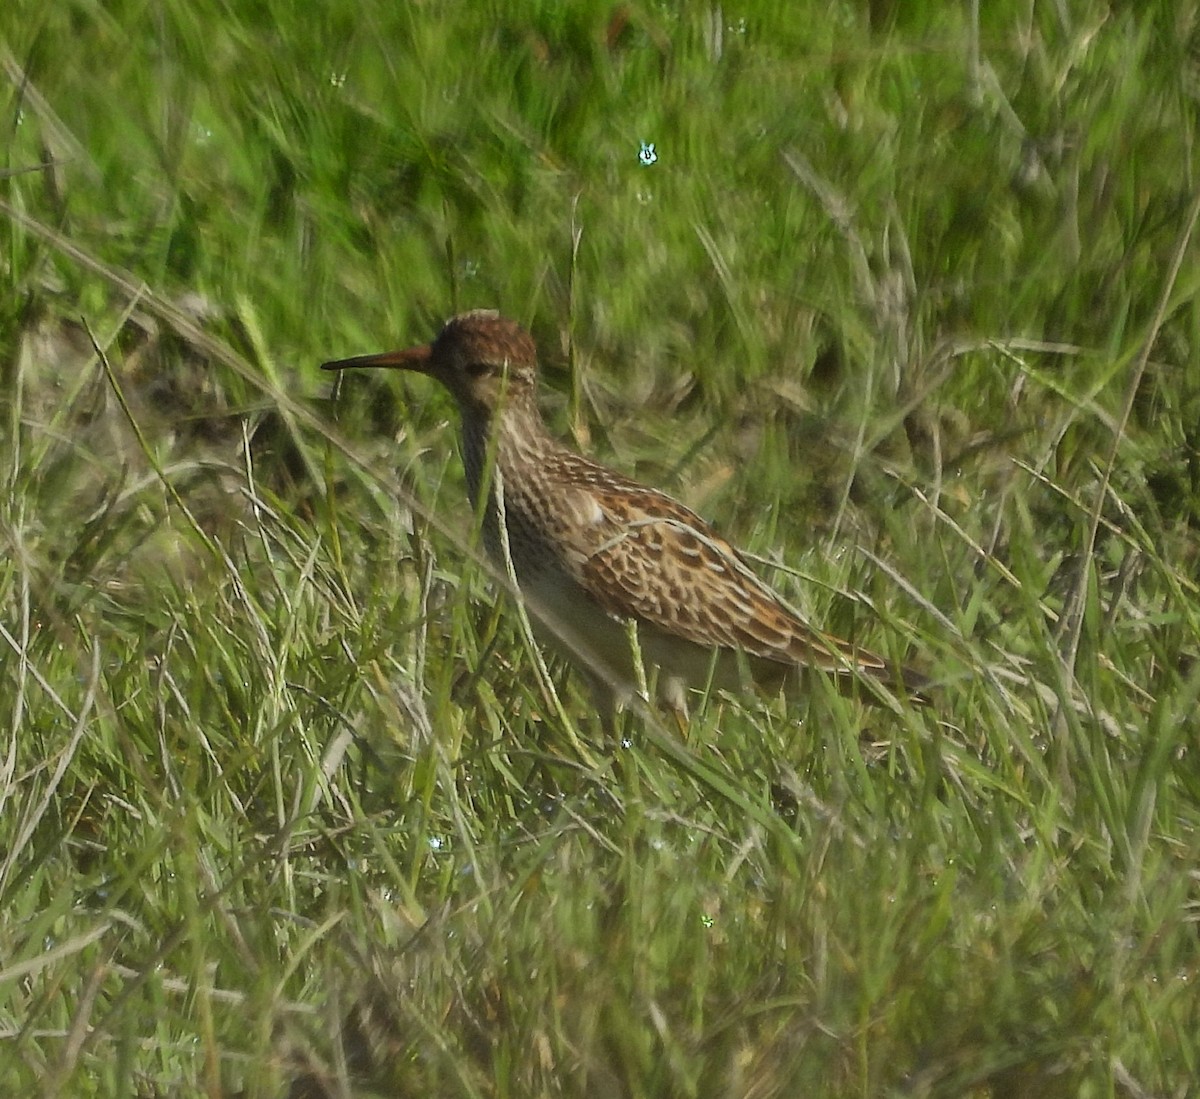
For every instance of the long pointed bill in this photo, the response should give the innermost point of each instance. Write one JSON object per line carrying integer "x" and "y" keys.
{"x": 414, "y": 358}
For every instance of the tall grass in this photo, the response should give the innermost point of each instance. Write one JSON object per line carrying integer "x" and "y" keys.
{"x": 907, "y": 304}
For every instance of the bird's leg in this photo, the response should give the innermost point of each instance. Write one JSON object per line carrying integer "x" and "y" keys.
{"x": 673, "y": 691}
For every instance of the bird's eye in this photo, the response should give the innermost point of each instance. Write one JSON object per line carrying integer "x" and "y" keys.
{"x": 477, "y": 370}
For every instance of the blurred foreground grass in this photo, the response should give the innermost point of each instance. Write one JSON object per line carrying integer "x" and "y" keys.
{"x": 906, "y": 303}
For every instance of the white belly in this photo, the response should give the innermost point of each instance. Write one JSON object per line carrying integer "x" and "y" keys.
{"x": 568, "y": 621}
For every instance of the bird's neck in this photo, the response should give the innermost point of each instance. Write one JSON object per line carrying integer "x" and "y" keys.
{"x": 511, "y": 439}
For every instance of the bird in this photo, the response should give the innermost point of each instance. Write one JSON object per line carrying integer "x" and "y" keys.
{"x": 613, "y": 572}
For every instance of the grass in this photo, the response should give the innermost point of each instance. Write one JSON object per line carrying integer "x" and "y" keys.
{"x": 907, "y": 305}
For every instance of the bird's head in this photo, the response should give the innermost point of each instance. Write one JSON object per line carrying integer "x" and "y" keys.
{"x": 481, "y": 357}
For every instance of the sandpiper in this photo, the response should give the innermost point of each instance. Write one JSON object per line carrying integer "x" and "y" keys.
{"x": 593, "y": 551}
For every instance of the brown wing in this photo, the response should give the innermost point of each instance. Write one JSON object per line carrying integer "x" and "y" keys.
{"x": 642, "y": 555}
